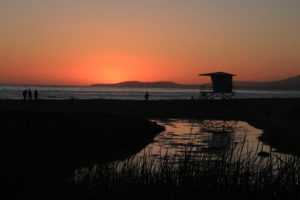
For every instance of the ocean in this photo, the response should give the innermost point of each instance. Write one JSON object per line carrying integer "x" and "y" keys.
{"x": 86, "y": 92}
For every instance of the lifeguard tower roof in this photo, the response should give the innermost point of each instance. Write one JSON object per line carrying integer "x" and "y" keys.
{"x": 217, "y": 74}
{"x": 221, "y": 81}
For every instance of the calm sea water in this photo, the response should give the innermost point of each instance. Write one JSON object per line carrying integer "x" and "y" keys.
{"x": 71, "y": 92}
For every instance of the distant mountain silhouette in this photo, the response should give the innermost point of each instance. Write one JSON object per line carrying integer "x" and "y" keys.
{"x": 292, "y": 83}
{"x": 159, "y": 84}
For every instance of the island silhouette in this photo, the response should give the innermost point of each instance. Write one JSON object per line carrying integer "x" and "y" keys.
{"x": 291, "y": 83}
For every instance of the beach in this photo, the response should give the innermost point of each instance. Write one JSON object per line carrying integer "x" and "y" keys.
{"x": 49, "y": 139}
{"x": 41, "y": 149}
{"x": 279, "y": 118}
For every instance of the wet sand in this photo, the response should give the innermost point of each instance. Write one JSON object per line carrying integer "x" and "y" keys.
{"x": 238, "y": 108}
{"x": 279, "y": 118}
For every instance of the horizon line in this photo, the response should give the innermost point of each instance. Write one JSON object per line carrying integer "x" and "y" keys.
{"x": 76, "y": 85}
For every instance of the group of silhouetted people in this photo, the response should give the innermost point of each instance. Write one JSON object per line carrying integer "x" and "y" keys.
{"x": 27, "y": 94}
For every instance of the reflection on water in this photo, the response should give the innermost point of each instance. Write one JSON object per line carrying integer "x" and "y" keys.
{"x": 199, "y": 136}
{"x": 205, "y": 139}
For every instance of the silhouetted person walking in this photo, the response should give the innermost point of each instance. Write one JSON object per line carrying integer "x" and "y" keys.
{"x": 36, "y": 95}
{"x": 29, "y": 94}
{"x": 25, "y": 94}
{"x": 146, "y": 96}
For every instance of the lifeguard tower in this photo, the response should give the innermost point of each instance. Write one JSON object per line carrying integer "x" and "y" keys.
{"x": 221, "y": 86}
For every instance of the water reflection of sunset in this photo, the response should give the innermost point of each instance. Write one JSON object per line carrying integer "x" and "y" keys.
{"x": 204, "y": 137}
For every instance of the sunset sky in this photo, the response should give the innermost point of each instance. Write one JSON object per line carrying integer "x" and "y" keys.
{"x": 82, "y": 42}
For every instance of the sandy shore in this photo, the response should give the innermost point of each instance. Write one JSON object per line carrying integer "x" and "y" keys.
{"x": 279, "y": 118}
{"x": 40, "y": 150}
{"x": 241, "y": 108}
{"x": 44, "y": 141}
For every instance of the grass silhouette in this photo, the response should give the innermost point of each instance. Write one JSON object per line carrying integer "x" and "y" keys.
{"x": 232, "y": 175}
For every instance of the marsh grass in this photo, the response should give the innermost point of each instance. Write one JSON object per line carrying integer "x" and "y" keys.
{"x": 232, "y": 174}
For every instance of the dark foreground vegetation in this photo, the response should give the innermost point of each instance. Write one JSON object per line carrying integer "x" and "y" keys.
{"x": 230, "y": 175}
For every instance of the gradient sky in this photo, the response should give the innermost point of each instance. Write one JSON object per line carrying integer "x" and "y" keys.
{"x": 83, "y": 42}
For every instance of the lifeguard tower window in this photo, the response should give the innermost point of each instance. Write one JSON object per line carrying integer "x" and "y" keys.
{"x": 221, "y": 83}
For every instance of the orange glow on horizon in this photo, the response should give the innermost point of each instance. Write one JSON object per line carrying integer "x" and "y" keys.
{"x": 107, "y": 68}
{"x": 83, "y": 43}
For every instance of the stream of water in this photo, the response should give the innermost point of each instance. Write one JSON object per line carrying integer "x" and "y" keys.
{"x": 205, "y": 136}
